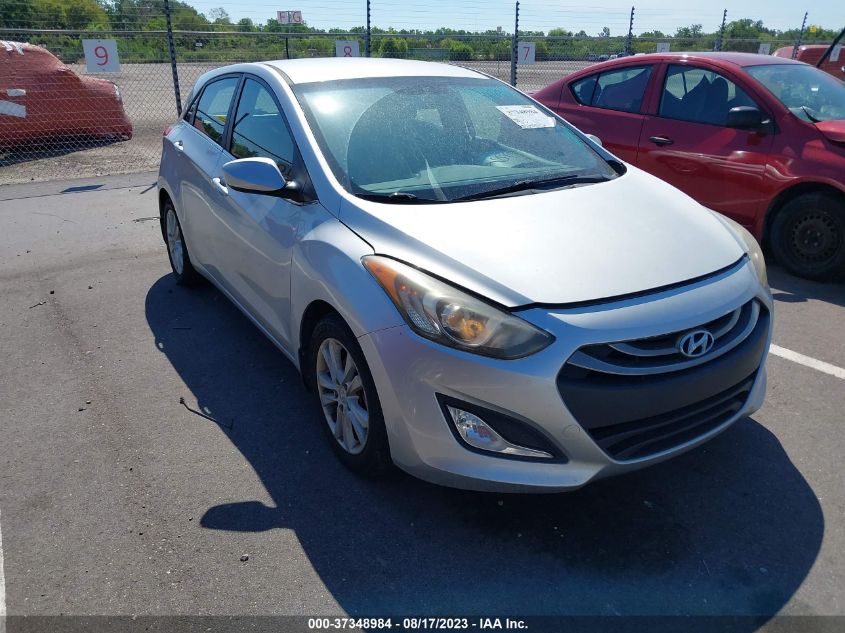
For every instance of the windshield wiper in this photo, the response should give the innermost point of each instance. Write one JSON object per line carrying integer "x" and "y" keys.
{"x": 397, "y": 197}
{"x": 810, "y": 115}
{"x": 531, "y": 184}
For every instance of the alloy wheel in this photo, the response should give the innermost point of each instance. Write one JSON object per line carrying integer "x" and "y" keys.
{"x": 174, "y": 242}
{"x": 342, "y": 396}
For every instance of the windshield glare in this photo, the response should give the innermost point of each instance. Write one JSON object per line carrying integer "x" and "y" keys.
{"x": 440, "y": 138}
{"x": 809, "y": 93}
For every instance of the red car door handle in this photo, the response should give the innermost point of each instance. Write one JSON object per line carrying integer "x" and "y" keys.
{"x": 661, "y": 140}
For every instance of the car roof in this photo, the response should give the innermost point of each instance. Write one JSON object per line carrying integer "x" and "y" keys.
{"x": 736, "y": 59}
{"x": 309, "y": 70}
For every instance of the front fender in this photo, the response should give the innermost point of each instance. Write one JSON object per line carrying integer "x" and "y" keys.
{"x": 327, "y": 267}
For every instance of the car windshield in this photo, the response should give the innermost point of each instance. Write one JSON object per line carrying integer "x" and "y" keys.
{"x": 809, "y": 93}
{"x": 442, "y": 139}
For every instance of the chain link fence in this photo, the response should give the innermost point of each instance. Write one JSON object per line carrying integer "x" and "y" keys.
{"x": 61, "y": 118}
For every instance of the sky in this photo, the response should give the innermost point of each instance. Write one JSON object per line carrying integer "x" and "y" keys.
{"x": 540, "y": 15}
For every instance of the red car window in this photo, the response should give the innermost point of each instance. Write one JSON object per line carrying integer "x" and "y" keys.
{"x": 699, "y": 95}
{"x": 618, "y": 89}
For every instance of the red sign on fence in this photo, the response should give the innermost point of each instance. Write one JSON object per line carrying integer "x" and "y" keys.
{"x": 289, "y": 17}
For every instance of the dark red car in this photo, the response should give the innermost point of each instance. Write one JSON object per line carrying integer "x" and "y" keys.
{"x": 812, "y": 53}
{"x": 758, "y": 138}
{"x": 43, "y": 102}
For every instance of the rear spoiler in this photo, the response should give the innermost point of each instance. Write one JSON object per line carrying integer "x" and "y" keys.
{"x": 830, "y": 48}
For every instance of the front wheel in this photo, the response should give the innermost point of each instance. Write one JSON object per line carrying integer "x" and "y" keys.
{"x": 808, "y": 236}
{"x": 346, "y": 396}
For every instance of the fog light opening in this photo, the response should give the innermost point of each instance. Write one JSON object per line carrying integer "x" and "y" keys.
{"x": 478, "y": 434}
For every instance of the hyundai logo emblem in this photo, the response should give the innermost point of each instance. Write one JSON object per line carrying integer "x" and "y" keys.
{"x": 696, "y": 343}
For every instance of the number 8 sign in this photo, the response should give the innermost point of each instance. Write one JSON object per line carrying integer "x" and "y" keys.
{"x": 346, "y": 48}
{"x": 101, "y": 56}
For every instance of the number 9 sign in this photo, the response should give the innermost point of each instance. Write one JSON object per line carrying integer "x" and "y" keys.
{"x": 101, "y": 56}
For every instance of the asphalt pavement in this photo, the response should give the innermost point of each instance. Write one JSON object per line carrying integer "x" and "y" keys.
{"x": 158, "y": 456}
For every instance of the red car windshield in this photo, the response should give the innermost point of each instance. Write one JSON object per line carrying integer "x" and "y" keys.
{"x": 809, "y": 93}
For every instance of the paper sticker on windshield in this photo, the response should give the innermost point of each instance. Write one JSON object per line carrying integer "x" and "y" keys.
{"x": 527, "y": 117}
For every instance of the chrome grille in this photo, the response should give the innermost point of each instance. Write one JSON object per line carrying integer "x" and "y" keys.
{"x": 660, "y": 354}
{"x": 640, "y": 397}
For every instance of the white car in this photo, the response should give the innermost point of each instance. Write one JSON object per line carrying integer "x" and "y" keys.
{"x": 471, "y": 288}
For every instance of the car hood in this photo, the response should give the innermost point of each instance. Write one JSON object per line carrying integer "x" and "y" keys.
{"x": 627, "y": 235}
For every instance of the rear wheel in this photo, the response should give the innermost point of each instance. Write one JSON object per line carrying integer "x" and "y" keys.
{"x": 180, "y": 261}
{"x": 808, "y": 236}
{"x": 346, "y": 396}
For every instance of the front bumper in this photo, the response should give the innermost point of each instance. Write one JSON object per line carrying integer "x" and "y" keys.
{"x": 410, "y": 372}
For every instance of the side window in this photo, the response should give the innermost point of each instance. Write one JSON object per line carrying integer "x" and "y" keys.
{"x": 583, "y": 89}
{"x": 622, "y": 89}
{"x": 213, "y": 107}
{"x": 260, "y": 128}
{"x": 699, "y": 95}
{"x": 191, "y": 112}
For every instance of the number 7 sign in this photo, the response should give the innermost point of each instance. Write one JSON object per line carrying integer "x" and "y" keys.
{"x": 101, "y": 56}
{"x": 526, "y": 52}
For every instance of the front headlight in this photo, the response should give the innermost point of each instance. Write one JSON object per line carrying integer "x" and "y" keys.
{"x": 444, "y": 314}
{"x": 752, "y": 248}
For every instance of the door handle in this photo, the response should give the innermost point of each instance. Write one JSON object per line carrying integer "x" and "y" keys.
{"x": 661, "y": 140}
{"x": 220, "y": 186}
{"x": 179, "y": 145}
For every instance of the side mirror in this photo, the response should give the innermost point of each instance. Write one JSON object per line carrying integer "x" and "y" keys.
{"x": 595, "y": 139}
{"x": 254, "y": 175}
{"x": 744, "y": 118}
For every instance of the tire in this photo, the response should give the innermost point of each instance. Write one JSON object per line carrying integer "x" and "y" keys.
{"x": 177, "y": 250}
{"x": 340, "y": 404}
{"x": 808, "y": 236}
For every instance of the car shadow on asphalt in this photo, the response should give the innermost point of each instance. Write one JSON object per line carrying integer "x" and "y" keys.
{"x": 730, "y": 528}
{"x": 787, "y": 288}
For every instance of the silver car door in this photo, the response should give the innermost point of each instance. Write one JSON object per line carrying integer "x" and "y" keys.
{"x": 258, "y": 232}
{"x": 199, "y": 146}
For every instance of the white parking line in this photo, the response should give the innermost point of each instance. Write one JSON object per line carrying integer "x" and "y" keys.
{"x": 2, "y": 586}
{"x": 808, "y": 361}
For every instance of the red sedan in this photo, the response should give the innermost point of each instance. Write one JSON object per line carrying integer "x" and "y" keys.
{"x": 758, "y": 138}
{"x": 43, "y": 102}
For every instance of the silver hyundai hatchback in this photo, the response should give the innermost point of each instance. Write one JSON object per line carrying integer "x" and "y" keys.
{"x": 471, "y": 288}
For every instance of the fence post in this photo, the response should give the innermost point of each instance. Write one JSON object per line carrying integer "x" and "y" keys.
{"x": 718, "y": 46}
{"x": 515, "y": 45}
{"x": 172, "y": 48}
{"x": 629, "y": 44}
{"x": 367, "y": 38}
{"x": 800, "y": 36}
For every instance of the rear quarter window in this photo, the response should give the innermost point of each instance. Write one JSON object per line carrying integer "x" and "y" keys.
{"x": 620, "y": 89}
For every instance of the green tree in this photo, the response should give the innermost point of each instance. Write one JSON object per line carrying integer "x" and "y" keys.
{"x": 16, "y": 15}
{"x": 393, "y": 47}
{"x": 691, "y": 31}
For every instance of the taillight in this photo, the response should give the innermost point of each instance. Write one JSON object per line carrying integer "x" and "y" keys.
{"x": 167, "y": 129}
